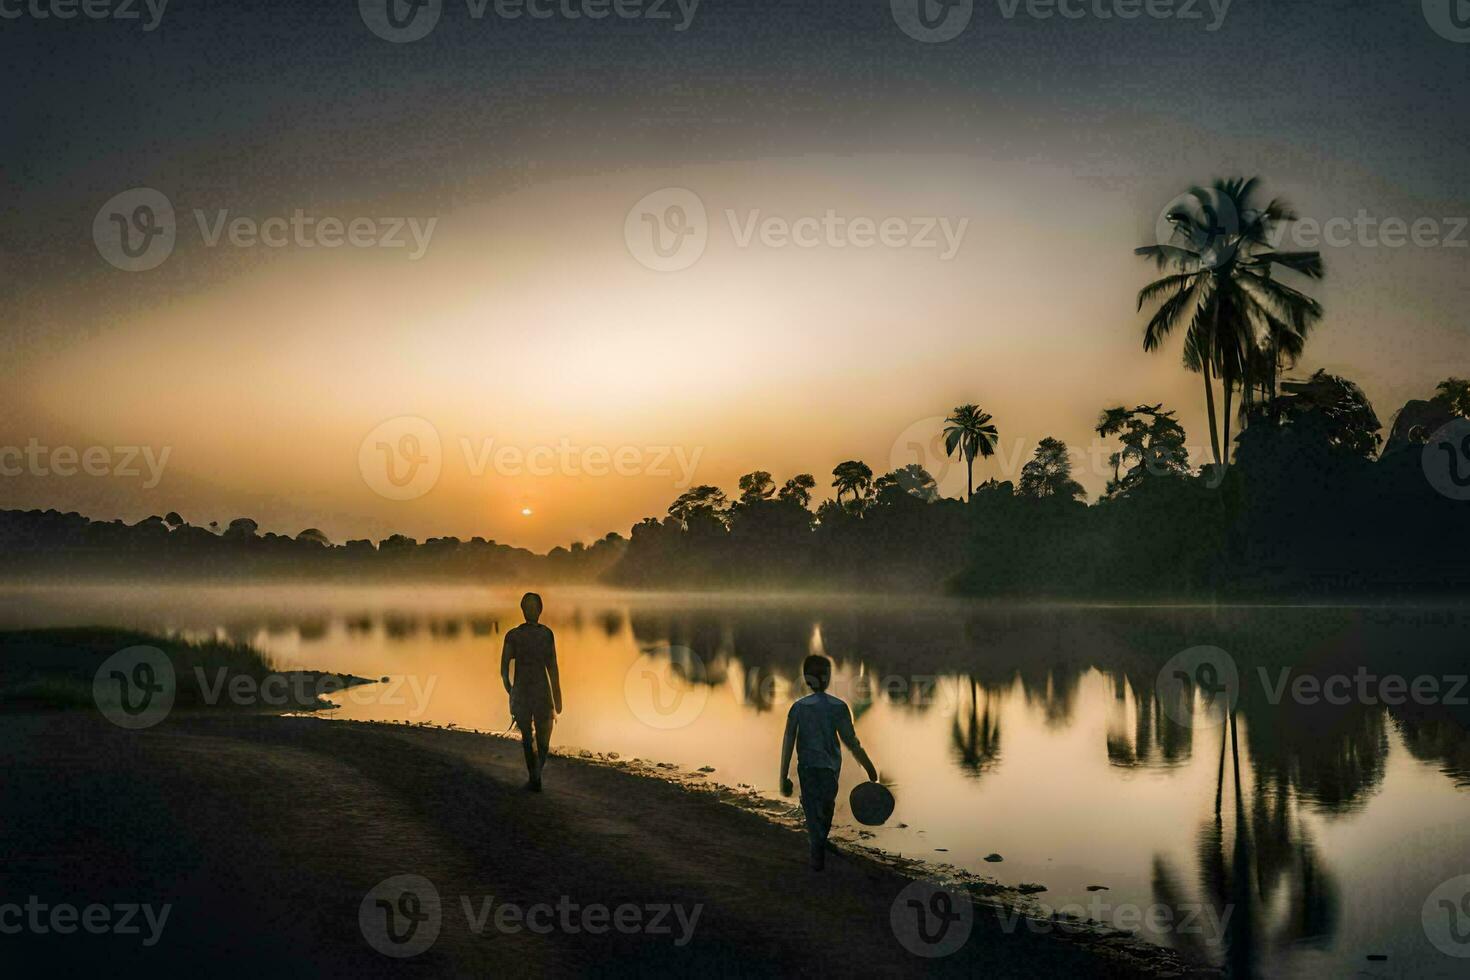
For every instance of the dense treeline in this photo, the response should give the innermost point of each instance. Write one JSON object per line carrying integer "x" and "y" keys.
{"x": 52, "y": 544}
{"x": 874, "y": 536}
{"x": 1308, "y": 508}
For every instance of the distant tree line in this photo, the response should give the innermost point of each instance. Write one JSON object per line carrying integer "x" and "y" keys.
{"x": 51, "y": 543}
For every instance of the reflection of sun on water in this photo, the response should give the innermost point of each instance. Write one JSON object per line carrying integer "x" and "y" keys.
{"x": 526, "y": 512}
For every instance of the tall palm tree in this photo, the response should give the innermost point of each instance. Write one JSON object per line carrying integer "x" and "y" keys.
{"x": 969, "y": 432}
{"x": 1241, "y": 323}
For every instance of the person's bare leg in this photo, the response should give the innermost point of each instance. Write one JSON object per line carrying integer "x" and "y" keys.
{"x": 528, "y": 748}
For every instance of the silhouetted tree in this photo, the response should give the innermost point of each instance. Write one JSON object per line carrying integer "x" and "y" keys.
{"x": 699, "y": 507}
{"x": 313, "y": 536}
{"x": 1242, "y": 323}
{"x": 1049, "y": 473}
{"x": 969, "y": 432}
{"x": 852, "y": 477}
{"x": 1153, "y": 445}
{"x": 798, "y": 489}
{"x": 911, "y": 481}
{"x": 756, "y": 485}
{"x": 242, "y": 527}
{"x": 1335, "y": 404}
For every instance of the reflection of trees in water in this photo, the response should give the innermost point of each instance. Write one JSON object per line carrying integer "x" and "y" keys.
{"x": 699, "y": 646}
{"x": 1328, "y": 756}
{"x": 400, "y": 627}
{"x": 1052, "y": 688}
{"x": 1441, "y": 739}
{"x": 703, "y": 633}
{"x": 689, "y": 667}
{"x": 611, "y": 621}
{"x": 1258, "y": 877}
{"x": 975, "y": 737}
{"x": 1331, "y": 756}
{"x": 1146, "y": 735}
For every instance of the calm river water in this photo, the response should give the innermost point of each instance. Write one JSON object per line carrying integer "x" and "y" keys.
{"x": 1087, "y": 746}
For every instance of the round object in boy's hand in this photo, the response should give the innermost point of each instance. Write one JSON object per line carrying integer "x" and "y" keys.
{"x": 871, "y": 803}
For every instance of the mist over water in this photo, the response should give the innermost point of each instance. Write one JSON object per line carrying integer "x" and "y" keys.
{"x": 1053, "y": 736}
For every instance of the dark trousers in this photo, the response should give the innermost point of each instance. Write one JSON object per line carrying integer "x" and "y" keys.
{"x": 818, "y": 800}
{"x": 535, "y": 738}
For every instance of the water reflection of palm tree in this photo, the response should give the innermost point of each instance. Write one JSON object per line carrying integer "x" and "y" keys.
{"x": 1243, "y": 866}
{"x": 976, "y": 740}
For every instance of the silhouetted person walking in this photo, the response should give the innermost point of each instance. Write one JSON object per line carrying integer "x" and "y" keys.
{"x": 535, "y": 694}
{"x": 813, "y": 727}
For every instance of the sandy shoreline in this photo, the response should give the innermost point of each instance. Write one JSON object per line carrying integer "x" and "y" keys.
{"x": 265, "y": 835}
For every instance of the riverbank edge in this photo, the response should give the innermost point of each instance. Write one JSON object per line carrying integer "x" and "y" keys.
{"x": 1122, "y": 948}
